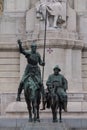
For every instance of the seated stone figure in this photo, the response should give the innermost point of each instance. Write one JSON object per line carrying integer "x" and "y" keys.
{"x": 54, "y": 9}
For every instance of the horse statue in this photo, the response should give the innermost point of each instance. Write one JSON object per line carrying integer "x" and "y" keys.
{"x": 55, "y": 103}
{"x": 32, "y": 98}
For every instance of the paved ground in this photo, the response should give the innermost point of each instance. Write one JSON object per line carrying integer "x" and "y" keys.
{"x": 45, "y": 124}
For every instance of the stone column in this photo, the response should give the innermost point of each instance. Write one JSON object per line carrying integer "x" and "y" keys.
{"x": 80, "y": 5}
{"x": 73, "y": 70}
{"x": 23, "y": 64}
{"x": 68, "y": 67}
{"x": 71, "y": 13}
{"x": 76, "y": 71}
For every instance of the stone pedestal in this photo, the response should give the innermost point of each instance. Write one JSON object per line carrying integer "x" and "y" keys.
{"x": 76, "y": 104}
{"x": 16, "y": 109}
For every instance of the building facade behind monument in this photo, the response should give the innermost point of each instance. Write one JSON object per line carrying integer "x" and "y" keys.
{"x": 66, "y": 44}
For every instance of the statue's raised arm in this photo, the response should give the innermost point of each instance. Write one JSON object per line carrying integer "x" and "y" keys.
{"x": 21, "y": 49}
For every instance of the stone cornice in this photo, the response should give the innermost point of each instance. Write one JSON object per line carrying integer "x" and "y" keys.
{"x": 62, "y": 43}
{"x": 15, "y": 14}
{"x": 8, "y": 47}
{"x": 54, "y": 43}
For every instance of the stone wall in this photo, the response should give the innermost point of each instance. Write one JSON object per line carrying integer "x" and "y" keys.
{"x": 16, "y": 5}
{"x": 84, "y": 69}
{"x": 9, "y": 71}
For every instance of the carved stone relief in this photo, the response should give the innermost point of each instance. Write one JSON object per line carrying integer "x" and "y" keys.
{"x": 56, "y": 12}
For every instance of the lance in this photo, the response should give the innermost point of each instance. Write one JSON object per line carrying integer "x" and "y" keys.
{"x": 44, "y": 45}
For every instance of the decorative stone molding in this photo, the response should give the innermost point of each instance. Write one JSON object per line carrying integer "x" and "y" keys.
{"x": 59, "y": 43}
{"x": 63, "y": 43}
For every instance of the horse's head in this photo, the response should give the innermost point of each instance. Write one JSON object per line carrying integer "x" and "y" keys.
{"x": 31, "y": 88}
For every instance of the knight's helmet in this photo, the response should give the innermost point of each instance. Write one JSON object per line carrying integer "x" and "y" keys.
{"x": 33, "y": 45}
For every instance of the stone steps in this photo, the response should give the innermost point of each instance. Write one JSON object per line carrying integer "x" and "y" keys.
{"x": 19, "y": 109}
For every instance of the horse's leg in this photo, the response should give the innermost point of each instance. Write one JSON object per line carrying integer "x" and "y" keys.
{"x": 38, "y": 118}
{"x": 38, "y": 105}
{"x": 28, "y": 102}
{"x": 29, "y": 110}
{"x": 34, "y": 110}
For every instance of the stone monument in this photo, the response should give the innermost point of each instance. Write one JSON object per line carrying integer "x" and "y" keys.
{"x": 66, "y": 45}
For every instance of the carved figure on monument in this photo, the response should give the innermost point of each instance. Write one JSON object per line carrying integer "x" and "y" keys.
{"x": 54, "y": 10}
{"x": 57, "y": 86}
{"x": 1, "y": 6}
{"x": 33, "y": 59}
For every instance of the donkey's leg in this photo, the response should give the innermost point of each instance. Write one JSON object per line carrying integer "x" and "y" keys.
{"x": 60, "y": 112}
{"x": 54, "y": 114}
{"x": 55, "y": 117}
